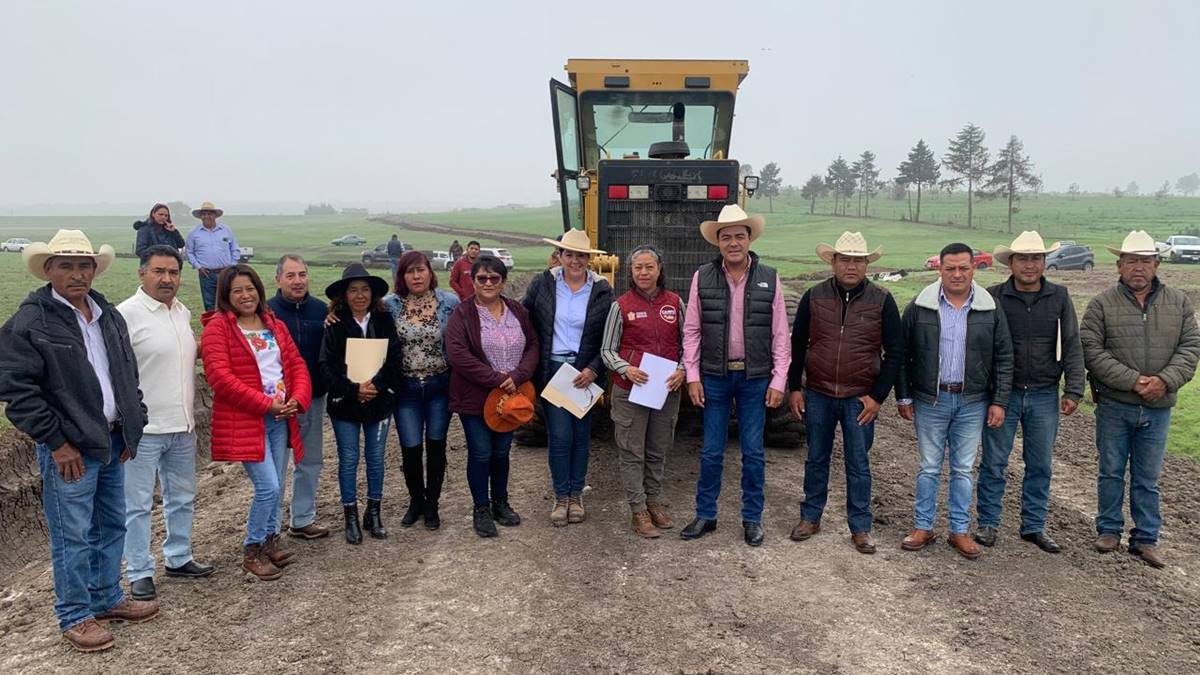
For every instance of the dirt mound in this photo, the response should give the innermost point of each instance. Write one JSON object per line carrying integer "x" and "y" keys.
{"x": 22, "y": 525}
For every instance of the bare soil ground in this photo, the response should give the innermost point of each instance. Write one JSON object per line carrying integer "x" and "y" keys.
{"x": 593, "y": 597}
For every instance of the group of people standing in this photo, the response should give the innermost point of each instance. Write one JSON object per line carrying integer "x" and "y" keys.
{"x": 107, "y": 392}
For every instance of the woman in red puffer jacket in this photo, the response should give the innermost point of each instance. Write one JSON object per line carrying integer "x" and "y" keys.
{"x": 259, "y": 384}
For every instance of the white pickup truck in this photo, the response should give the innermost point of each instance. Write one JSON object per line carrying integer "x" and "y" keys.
{"x": 1185, "y": 248}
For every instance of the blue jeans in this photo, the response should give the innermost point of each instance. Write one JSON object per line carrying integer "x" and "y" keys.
{"x": 1037, "y": 412}
{"x": 86, "y": 523}
{"x": 1136, "y": 435}
{"x": 171, "y": 458}
{"x": 719, "y": 395}
{"x": 947, "y": 424}
{"x": 374, "y": 435}
{"x": 208, "y": 289}
{"x": 822, "y": 415}
{"x": 422, "y": 409}
{"x": 307, "y": 472}
{"x": 267, "y": 478}
{"x": 487, "y": 460}
{"x": 569, "y": 439}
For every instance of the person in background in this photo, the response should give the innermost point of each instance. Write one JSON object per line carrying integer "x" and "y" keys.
{"x": 70, "y": 381}
{"x": 211, "y": 247}
{"x": 493, "y": 346}
{"x": 395, "y": 249}
{"x": 568, "y": 306}
{"x": 456, "y": 250}
{"x": 157, "y": 230}
{"x": 646, "y": 319}
{"x": 1140, "y": 346}
{"x": 420, "y": 312}
{"x": 260, "y": 384}
{"x": 304, "y": 315}
{"x": 460, "y": 273}
{"x": 160, "y": 331}
{"x": 735, "y": 349}
{"x": 360, "y": 408}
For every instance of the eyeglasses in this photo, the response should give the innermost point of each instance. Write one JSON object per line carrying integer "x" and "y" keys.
{"x": 488, "y": 279}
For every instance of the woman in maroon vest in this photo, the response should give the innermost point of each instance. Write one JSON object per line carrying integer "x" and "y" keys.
{"x": 647, "y": 319}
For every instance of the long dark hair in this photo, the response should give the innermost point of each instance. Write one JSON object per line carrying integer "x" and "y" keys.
{"x": 150, "y": 218}
{"x": 411, "y": 259}
{"x": 225, "y": 282}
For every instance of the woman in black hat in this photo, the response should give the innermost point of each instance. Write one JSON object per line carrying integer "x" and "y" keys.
{"x": 364, "y": 407}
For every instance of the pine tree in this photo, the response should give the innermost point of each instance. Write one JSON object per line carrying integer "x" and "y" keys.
{"x": 1012, "y": 171}
{"x": 968, "y": 157}
{"x": 814, "y": 189}
{"x": 920, "y": 169}
{"x": 769, "y": 182}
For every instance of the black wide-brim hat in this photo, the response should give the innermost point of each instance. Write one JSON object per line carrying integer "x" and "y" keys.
{"x": 355, "y": 271}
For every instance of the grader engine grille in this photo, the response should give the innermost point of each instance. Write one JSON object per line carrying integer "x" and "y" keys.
{"x": 662, "y": 203}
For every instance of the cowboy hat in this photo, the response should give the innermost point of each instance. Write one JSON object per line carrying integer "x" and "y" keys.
{"x": 354, "y": 271}
{"x": 731, "y": 215}
{"x": 72, "y": 243}
{"x": 851, "y": 244}
{"x": 1028, "y": 242}
{"x": 503, "y": 412}
{"x": 1138, "y": 242}
{"x": 574, "y": 240}
{"x": 207, "y": 206}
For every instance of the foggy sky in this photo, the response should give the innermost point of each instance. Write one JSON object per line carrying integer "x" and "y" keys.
{"x": 446, "y": 103}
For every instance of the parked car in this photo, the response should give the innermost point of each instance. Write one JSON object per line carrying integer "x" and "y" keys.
{"x": 981, "y": 259}
{"x": 349, "y": 240}
{"x": 1186, "y": 248}
{"x": 379, "y": 255}
{"x": 501, "y": 253}
{"x": 1071, "y": 256}
{"x": 15, "y": 245}
{"x": 246, "y": 253}
{"x": 440, "y": 260}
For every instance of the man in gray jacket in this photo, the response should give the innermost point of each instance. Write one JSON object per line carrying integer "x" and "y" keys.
{"x": 69, "y": 377}
{"x": 1140, "y": 344}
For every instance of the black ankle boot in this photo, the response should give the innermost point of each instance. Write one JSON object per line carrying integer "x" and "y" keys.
{"x": 372, "y": 521}
{"x": 414, "y": 479}
{"x": 484, "y": 525}
{"x": 353, "y": 533}
{"x": 432, "y": 520}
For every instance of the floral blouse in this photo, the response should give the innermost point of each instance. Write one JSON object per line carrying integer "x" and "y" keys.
{"x": 421, "y": 337}
{"x": 270, "y": 365}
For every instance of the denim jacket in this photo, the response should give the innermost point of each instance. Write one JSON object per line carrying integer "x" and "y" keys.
{"x": 446, "y": 302}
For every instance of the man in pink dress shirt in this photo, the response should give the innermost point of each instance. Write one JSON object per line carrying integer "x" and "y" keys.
{"x": 736, "y": 348}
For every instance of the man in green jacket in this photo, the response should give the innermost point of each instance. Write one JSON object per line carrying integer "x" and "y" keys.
{"x": 1140, "y": 345}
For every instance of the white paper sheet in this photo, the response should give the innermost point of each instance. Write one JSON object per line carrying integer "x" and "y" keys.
{"x": 364, "y": 358}
{"x": 561, "y": 392}
{"x": 653, "y": 394}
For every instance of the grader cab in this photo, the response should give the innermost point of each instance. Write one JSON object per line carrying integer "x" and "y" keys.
{"x": 643, "y": 156}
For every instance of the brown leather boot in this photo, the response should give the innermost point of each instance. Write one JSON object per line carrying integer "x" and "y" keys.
{"x": 257, "y": 563}
{"x": 659, "y": 515}
{"x": 558, "y": 516}
{"x": 863, "y": 542}
{"x": 575, "y": 512}
{"x": 131, "y": 611}
{"x": 1149, "y": 554}
{"x": 644, "y": 526}
{"x": 279, "y": 557}
{"x": 965, "y": 546}
{"x": 88, "y": 636}
{"x": 1107, "y": 543}
{"x": 918, "y": 540}
{"x": 804, "y": 530}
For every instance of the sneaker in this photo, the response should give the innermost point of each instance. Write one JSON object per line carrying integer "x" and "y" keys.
{"x": 484, "y": 525}
{"x": 503, "y": 514}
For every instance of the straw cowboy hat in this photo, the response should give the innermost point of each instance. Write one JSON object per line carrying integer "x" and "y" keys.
{"x": 503, "y": 412}
{"x": 1028, "y": 242}
{"x": 72, "y": 243}
{"x": 573, "y": 240}
{"x": 353, "y": 271}
{"x": 731, "y": 215}
{"x": 851, "y": 244}
{"x": 207, "y": 206}
{"x": 1138, "y": 242}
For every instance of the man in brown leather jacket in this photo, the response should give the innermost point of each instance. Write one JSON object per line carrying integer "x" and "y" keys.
{"x": 846, "y": 353}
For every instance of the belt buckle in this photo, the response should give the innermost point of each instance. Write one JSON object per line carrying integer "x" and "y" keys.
{"x": 735, "y": 365}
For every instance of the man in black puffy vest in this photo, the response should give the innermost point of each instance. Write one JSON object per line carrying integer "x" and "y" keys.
{"x": 736, "y": 349}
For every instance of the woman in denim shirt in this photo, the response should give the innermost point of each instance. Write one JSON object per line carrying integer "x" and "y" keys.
{"x": 420, "y": 312}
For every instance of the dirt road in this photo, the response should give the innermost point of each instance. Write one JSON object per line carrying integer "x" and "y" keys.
{"x": 592, "y": 597}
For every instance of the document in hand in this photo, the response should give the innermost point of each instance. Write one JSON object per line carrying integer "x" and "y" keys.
{"x": 653, "y": 394}
{"x": 364, "y": 358}
{"x": 563, "y": 393}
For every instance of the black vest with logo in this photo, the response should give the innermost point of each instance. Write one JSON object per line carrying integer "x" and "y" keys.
{"x": 713, "y": 292}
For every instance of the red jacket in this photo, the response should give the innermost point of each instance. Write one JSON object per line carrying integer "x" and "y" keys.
{"x": 472, "y": 378}
{"x": 460, "y": 278}
{"x": 239, "y": 403}
{"x": 649, "y": 326}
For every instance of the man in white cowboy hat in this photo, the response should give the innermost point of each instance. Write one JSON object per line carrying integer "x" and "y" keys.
{"x": 1140, "y": 344}
{"x": 847, "y": 350}
{"x": 68, "y": 375}
{"x": 211, "y": 247}
{"x": 735, "y": 348}
{"x": 1045, "y": 336}
{"x": 951, "y": 323}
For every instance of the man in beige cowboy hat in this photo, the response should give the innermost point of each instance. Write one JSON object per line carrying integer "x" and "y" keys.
{"x": 735, "y": 348}
{"x": 847, "y": 350}
{"x": 68, "y": 375}
{"x": 1140, "y": 345}
{"x": 1046, "y": 349}
{"x": 211, "y": 247}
